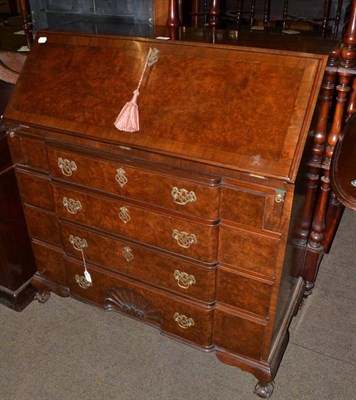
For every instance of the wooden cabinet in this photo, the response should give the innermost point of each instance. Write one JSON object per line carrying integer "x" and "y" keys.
{"x": 184, "y": 224}
{"x": 17, "y": 265}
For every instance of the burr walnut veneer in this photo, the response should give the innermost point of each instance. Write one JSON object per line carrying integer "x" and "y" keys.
{"x": 184, "y": 224}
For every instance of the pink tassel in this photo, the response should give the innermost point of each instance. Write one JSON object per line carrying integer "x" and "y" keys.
{"x": 128, "y": 120}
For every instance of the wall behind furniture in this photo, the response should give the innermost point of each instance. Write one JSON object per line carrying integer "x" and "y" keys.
{"x": 47, "y": 13}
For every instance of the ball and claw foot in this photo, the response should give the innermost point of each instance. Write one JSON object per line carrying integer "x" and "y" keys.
{"x": 309, "y": 286}
{"x": 264, "y": 390}
{"x": 42, "y": 296}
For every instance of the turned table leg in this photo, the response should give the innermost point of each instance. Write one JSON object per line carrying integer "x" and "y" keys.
{"x": 26, "y": 23}
{"x": 173, "y": 18}
{"x": 214, "y": 13}
{"x": 266, "y": 14}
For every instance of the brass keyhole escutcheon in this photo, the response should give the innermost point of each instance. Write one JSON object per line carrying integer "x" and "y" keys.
{"x": 124, "y": 215}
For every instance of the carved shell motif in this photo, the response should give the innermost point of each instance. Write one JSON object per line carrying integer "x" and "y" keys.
{"x": 129, "y": 302}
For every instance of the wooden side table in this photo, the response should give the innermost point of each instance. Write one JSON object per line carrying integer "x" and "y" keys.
{"x": 343, "y": 166}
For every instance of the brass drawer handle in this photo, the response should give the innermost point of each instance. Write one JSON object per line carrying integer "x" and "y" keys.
{"x": 78, "y": 243}
{"x": 184, "y": 239}
{"x": 83, "y": 282}
{"x": 184, "y": 280}
{"x": 183, "y": 321}
{"x": 66, "y": 166}
{"x": 182, "y": 196}
{"x": 124, "y": 215}
{"x": 120, "y": 177}
{"x": 72, "y": 206}
{"x": 127, "y": 253}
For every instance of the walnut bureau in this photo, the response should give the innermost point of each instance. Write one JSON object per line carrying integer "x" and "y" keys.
{"x": 183, "y": 224}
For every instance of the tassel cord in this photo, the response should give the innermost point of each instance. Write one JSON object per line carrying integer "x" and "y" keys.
{"x": 128, "y": 119}
{"x": 144, "y": 70}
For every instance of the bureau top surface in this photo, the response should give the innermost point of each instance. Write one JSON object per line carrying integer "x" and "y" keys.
{"x": 242, "y": 108}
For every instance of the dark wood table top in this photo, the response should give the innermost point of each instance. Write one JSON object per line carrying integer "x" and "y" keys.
{"x": 343, "y": 166}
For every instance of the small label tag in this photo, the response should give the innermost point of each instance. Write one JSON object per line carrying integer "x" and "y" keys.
{"x": 87, "y": 276}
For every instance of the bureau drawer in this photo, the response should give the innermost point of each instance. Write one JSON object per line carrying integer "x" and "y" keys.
{"x": 179, "y": 235}
{"x": 49, "y": 262}
{"x": 28, "y": 151}
{"x": 172, "y": 314}
{"x": 238, "y": 333}
{"x": 35, "y": 189}
{"x": 34, "y": 153}
{"x": 172, "y": 273}
{"x": 243, "y": 291}
{"x": 195, "y": 195}
{"x": 261, "y": 209}
{"x": 254, "y": 251}
{"x": 43, "y": 225}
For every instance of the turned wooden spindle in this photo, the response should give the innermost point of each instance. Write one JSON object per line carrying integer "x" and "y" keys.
{"x": 348, "y": 56}
{"x": 342, "y": 89}
{"x": 173, "y": 20}
{"x": 195, "y": 13}
{"x": 319, "y": 223}
{"x": 351, "y": 106}
{"x": 180, "y": 12}
{"x": 285, "y": 14}
{"x": 333, "y": 216}
{"x": 301, "y": 228}
{"x": 337, "y": 18}
{"x": 266, "y": 14}
{"x": 348, "y": 62}
{"x": 214, "y": 13}
{"x": 326, "y": 15}
{"x": 332, "y": 213}
{"x": 303, "y": 223}
{"x": 26, "y": 23}
{"x": 319, "y": 139}
{"x": 252, "y": 15}
{"x": 173, "y": 17}
{"x": 239, "y": 11}
{"x": 324, "y": 105}
{"x": 326, "y": 219}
